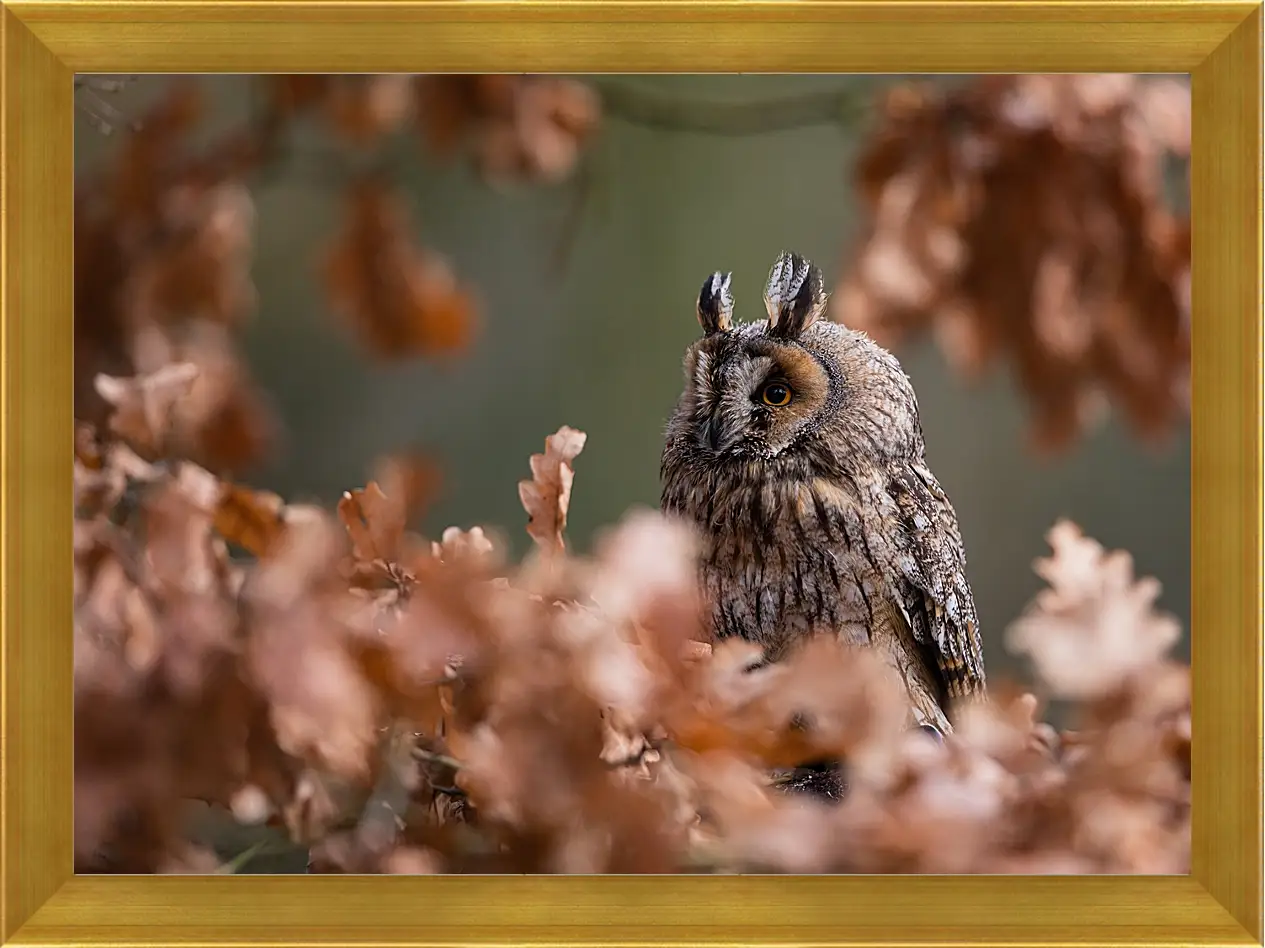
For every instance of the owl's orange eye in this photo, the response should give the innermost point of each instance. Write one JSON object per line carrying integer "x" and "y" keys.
{"x": 776, "y": 394}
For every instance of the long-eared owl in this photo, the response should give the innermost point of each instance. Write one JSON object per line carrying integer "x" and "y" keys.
{"x": 797, "y": 451}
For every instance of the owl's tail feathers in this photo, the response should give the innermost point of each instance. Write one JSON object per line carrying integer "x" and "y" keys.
{"x": 963, "y": 693}
{"x": 962, "y": 679}
{"x": 964, "y": 698}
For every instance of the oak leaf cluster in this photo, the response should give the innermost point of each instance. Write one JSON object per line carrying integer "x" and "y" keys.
{"x": 401, "y": 704}
{"x": 1026, "y": 218}
{"x": 164, "y": 234}
{"x": 394, "y": 703}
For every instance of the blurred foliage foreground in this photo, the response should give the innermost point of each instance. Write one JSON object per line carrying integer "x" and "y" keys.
{"x": 393, "y": 704}
{"x": 407, "y": 706}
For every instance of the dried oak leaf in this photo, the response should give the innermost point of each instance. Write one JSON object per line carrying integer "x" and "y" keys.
{"x": 144, "y": 407}
{"x": 515, "y": 127}
{"x": 225, "y": 423}
{"x": 374, "y": 523}
{"x": 302, "y": 652}
{"x": 941, "y": 809}
{"x": 552, "y": 119}
{"x": 450, "y": 107}
{"x": 251, "y": 519}
{"x": 825, "y": 701}
{"x": 643, "y": 587}
{"x": 360, "y": 110}
{"x": 201, "y": 269}
{"x": 400, "y": 299}
{"x": 88, "y": 448}
{"x": 1008, "y": 728}
{"x": 363, "y": 109}
{"x": 187, "y": 574}
{"x": 456, "y": 545}
{"x": 1095, "y": 626}
{"x": 375, "y": 517}
{"x": 425, "y": 643}
{"x": 547, "y": 496}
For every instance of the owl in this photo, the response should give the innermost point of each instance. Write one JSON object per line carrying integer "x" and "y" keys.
{"x": 796, "y": 451}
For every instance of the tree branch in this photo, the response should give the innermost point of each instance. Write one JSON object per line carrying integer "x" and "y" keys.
{"x": 732, "y": 119}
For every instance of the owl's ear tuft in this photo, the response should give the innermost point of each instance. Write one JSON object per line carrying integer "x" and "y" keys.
{"x": 716, "y": 304}
{"x": 795, "y": 296}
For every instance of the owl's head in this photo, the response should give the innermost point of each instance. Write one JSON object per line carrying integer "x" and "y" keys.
{"x": 793, "y": 386}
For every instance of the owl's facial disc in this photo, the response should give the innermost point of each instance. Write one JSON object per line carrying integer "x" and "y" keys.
{"x": 782, "y": 420}
{"x": 725, "y": 377}
{"x": 754, "y": 397}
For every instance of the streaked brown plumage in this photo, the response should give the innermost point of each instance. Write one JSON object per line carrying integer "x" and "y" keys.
{"x": 819, "y": 513}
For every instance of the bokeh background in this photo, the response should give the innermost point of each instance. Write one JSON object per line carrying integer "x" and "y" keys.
{"x": 458, "y": 266}
{"x": 580, "y": 262}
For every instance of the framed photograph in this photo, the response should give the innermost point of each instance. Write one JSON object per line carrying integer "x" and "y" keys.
{"x": 256, "y": 686}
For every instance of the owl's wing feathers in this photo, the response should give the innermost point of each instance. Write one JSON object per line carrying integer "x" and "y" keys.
{"x": 943, "y": 608}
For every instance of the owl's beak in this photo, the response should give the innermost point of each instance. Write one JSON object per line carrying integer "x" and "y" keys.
{"x": 715, "y": 433}
{"x": 718, "y": 436}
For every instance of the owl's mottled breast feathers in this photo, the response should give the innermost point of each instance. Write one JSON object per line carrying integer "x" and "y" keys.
{"x": 796, "y": 449}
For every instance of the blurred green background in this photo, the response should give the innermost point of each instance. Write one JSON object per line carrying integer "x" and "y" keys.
{"x": 596, "y": 340}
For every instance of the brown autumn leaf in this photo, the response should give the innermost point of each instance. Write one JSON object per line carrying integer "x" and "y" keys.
{"x": 202, "y": 267}
{"x": 514, "y": 127}
{"x": 251, "y": 519}
{"x": 1095, "y": 627}
{"x": 547, "y": 496}
{"x": 225, "y": 423}
{"x": 456, "y": 545}
{"x": 376, "y": 515}
{"x": 373, "y": 522}
{"x": 88, "y": 447}
{"x": 452, "y": 109}
{"x": 364, "y": 109}
{"x": 301, "y": 654}
{"x": 824, "y": 701}
{"x": 358, "y": 109}
{"x": 143, "y": 408}
{"x": 553, "y": 117}
{"x": 400, "y": 299}
{"x": 696, "y": 651}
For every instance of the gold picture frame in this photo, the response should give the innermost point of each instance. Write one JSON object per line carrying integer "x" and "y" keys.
{"x": 45, "y": 42}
